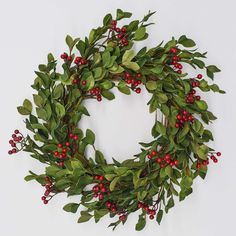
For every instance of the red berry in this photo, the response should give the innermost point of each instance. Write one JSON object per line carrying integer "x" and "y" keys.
{"x": 61, "y": 164}
{"x": 199, "y": 76}
{"x": 101, "y": 178}
{"x": 149, "y": 156}
{"x": 108, "y": 204}
{"x": 67, "y": 144}
{"x": 9, "y": 152}
{"x": 123, "y": 30}
{"x": 122, "y": 217}
{"x": 16, "y": 131}
{"x": 215, "y": 160}
{"x": 218, "y": 154}
{"x": 113, "y": 22}
{"x": 45, "y": 202}
{"x": 69, "y": 58}
{"x": 140, "y": 205}
{"x": 75, "y": 137}
{"x": 173, "y": 50}
{"x": 43, "y": 198}
{"x": 64, "y": 150}
{"x": 56, "y": 153}
{"x": 138, "y": 75}
{"x": 176, "y": 162}
{"x": 100, "y": 196}
{"x": 84, "y": 82}
{"x": 138, "y": 90}
{"x": 117, "y": 30}
{"x": 167, "y": 156}
{"x": 151, "y": 217}
{"x": 14, "y": 150}
{"x": 99, "y": 98}
{"x": 154, "y": 153}
{"x": 59, "y": 145}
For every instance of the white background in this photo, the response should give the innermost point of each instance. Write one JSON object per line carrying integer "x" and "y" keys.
{"x": 31, "y": 29}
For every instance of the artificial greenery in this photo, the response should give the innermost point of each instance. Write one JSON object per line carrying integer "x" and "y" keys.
{"x": 93, "y": 68}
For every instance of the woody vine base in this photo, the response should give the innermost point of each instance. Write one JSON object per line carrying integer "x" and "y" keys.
{"x": 92, "y": 69}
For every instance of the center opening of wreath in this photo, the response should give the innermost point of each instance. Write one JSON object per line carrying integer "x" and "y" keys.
{"x": 120, "y": 124}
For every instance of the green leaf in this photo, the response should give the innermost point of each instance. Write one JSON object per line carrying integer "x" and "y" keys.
{"x": 71, "y": 207}
{"x": 170, "y": 204}
{"x": 69, "y": 41}
{"x": 140, "y": 33}
{"x": 186, "y": 182}
{"x": 186, "y": 42}
{"x": 99, "y": 158}
{"x": 160, "y": 128}
{"x": 213, "y": 69}
{"x": 169, "y": 171}
{"x": 151, "y": 85}
{"x": 202, "y": 105}
{"x": 108, "y": 95}
{"x": 23, "y": 111}
{"x": 157, "y": 69}
{"x": 202, "y": 151}
{"x": 141, "y": 223}
{"x": 107, "y": 19}
{"x": 114, "y": 182}
{"x": 58, "y": 91}
{"x": 38, "y": 100}
{"x": 159, "y": 216}
{"x": 122, "y": 87}
{"x": 132, "y": 65}
{"x": 92, "y": 36}
{"x": 85, "y": 216}
{"x": 128, "y": 56}
{"x": 90, "y": 137}
{"x": 161, "y": 97}
{"x": 121, "y": 14}
{"x": 27, "y": 105}
{"x": 60, "y": 110}
{"x": 106, "y": 58}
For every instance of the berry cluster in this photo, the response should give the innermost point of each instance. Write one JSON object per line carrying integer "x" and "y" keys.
{"x": 112, "y": 207}
{"x": 96, "y": 92}
{"x": 134, "y": 81}
{"x": 175, "y": 60}
{"x": 151, "y": 211}
{"x": 63, "y": 150}
{"x": 80, "y": 61}
{"x": 65, "y": 57}
{"x": 48, "y": 189}
{"x": 100, "y": 189}
{"x": 166, "y": 160}
{"x": 17, "y": 138}
{"x": 191, "y": 97}
{"x": 121, "y": 33}
{"x": 182, "y": 117}
{"x": 206, "y": 162}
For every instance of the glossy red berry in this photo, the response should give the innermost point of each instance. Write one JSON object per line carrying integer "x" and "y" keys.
{"x": 138, "y": 90}
{"x": 199, "y": 76}
{"x": 151, "y": 217}
{"x": 16, "y": 131}
{"x": 59, "y": 145}
{"x": 83, "y": 82}
{"x": 122, "y": 218}
{"x": 113, "y": 22}
{"x": 218, "y": 154}
{"x": 45, "y": 202}
{"x": 173, "y": 50}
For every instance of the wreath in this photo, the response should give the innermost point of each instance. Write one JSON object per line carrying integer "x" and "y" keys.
{"x": 91, "y": 69}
